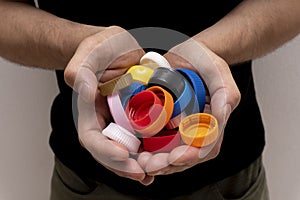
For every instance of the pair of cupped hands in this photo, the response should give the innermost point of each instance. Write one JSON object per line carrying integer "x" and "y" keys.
{"x": 108, "y": 54}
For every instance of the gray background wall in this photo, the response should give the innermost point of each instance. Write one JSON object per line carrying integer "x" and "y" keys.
{"x": 26, "y": 96}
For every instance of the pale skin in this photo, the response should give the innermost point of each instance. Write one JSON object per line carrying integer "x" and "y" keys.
{"x": 253, "y": 29}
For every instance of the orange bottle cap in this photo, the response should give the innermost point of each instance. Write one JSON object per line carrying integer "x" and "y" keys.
{"x": 199, "y": 129}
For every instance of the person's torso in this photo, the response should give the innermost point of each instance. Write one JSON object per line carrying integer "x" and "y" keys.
{"x": 244, "y": 138}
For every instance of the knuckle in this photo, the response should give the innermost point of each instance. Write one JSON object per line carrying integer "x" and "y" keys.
{"x": 69, "y": 74}
{"x": 89, "y": 42}
{"x": 115, "y": 29}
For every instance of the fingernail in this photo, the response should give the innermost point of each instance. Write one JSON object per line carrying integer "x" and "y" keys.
{"x": 115, "y": 158}
{"x": 203, "y": 153}
{"x": 84, "y": 92}
{"x": 179, "y": 164}
{"x": 159, "y": 173}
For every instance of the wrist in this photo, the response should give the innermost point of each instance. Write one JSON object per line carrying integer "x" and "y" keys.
{"x": 73, "y": 35}
{"x": 210, "y": 39}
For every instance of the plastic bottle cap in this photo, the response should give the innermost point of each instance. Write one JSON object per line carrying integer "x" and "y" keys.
{"x": 117, "y": 111}
{"x": 129, "y": 91}
{"x": 115, "y": 84}
{"x": 191, "y": 108}
{"x": 168, "y": 79}
{"x": 140, "y": 73}
{"x": 164, "y": 115}
{"x": 143, "y": 108}
{"x": 197, "y": 85}
{"x": 183, "y": 100}
{"x": 164, "y": 141}
{"x": 153, "y": 60}
{"x": 123, "y": 136}
{"x": 199, "y": 129}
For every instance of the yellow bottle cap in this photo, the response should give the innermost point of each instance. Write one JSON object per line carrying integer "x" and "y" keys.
{"x": 199, "y": 129}
{"x": 140, "y": 73}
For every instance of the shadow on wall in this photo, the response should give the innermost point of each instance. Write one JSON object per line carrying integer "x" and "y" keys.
{"x": 26, "y": 159}
{"x": 278, "y": 85}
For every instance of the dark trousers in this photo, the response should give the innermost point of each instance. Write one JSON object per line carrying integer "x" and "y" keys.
{"x": 248, "y": 184}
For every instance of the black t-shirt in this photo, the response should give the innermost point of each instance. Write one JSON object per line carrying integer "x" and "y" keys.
{"x": 244, "y": 134}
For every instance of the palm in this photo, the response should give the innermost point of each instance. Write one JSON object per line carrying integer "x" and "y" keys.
{"x": 224, "y": 97}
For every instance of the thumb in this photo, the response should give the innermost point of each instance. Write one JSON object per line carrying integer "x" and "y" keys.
{"x": 83, "y": 81}
{"x": 93, "y": 56}
{"x": 216, "y": 74}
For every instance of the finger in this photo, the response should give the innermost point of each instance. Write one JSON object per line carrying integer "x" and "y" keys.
{"x": 187, "y": 156}
{"x": 157, "y": 163}
{"x": 128, "y": 169}
{"x": 184, "y": 155}
{"x": 207, "y": 108}
{"x": 147, "y": 180}
{"x": 120, "y": 65}
{"x": 127, "y": 58}
{"x": 163, "y": 163}
{"x": 174, "y": 169}
{"x": 143, "y": 159}
{"x": 102, "y": 110}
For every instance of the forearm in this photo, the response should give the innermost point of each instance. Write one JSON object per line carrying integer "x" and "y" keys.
{"x": 253, "y": 29}
{"x": 32, "y": 37}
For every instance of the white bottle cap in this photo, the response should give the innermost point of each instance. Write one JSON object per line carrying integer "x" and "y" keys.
{"x": 154, "y": 60}
{"x": 123, "y": 136}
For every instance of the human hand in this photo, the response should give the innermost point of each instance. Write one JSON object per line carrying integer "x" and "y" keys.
{"x": 224, "y": 96}
{"x": 101, "y": 57}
